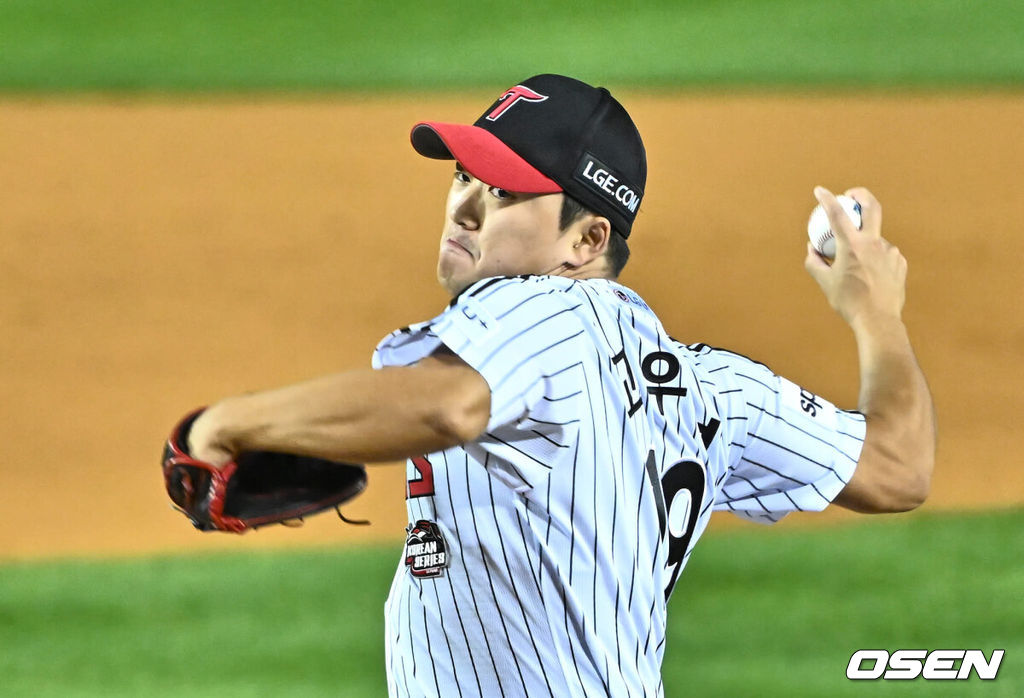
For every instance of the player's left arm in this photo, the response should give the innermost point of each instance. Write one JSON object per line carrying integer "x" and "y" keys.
{"x": 359, "y": 416}
{"x": 866, "y": 286}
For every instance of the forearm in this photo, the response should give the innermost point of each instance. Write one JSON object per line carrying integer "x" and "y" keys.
{"x": 899, "y": 448}
{"x": 866, "y": 285}
{"x": 357, "y": 416}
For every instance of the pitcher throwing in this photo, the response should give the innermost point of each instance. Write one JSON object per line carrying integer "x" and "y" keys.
{"x": 565, "y": 452}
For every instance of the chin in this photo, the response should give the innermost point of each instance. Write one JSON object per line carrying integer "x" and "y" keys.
{"x": 451, "y": 285}
{"x": 454, "y": 289}
{"x": 451, "y": 280}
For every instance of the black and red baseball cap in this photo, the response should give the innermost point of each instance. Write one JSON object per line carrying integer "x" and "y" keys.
{"x": 548, "y": 134}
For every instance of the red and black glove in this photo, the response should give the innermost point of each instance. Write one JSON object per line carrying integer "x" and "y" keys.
{"x": 255, "y": 489}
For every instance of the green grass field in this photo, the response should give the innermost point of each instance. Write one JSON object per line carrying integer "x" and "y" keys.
{"x": 758, "y": 612}
{"x": 183, "y": 45}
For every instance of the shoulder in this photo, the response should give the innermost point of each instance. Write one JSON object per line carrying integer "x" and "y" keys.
{"x": 731, "y": 370}
{"x": 524, "y": 295}
{"x": 502, "y": 288}
{"x": 515, "y": 314}
{"x": 715, "y": 357}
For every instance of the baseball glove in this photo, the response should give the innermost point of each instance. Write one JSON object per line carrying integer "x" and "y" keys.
{"x": 257, "y": 488}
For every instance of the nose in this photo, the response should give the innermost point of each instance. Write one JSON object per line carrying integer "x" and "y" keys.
{"x": 466, "y": 207}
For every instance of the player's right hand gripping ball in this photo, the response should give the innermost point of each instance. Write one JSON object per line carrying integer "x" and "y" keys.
{"x": 820, "y": 231}
{"x": 255, "y": 489}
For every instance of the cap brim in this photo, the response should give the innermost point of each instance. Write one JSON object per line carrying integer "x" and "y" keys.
{"x": 483, "y": 155}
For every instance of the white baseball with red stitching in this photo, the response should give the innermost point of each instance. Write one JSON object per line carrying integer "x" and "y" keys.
{"x": 820, "y": 232}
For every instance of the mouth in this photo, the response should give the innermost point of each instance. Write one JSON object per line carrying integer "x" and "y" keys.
{"x": 452, "y": 244}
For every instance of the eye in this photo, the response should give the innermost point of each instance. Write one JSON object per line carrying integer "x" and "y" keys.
{"x": 461, "y": 176}
{"x": 502, "y": 194}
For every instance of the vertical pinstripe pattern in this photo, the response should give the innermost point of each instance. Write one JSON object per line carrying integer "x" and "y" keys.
{"x": 562, "y": 546}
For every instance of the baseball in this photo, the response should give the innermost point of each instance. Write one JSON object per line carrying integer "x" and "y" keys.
{"x": 819, "y": 230}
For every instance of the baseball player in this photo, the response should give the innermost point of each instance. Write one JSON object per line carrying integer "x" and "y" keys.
{"x": 564, "y": 451}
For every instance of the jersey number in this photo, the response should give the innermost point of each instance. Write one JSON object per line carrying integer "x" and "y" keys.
{"x": 683, "y": 490}
{"x": 423, "y": 486}
{"x": 679, "y": 495}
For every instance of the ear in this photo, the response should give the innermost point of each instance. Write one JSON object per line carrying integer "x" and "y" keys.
{"x": 590, "y": 235}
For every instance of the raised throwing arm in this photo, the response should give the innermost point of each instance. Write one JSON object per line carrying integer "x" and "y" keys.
{"x": 866, "y": 286}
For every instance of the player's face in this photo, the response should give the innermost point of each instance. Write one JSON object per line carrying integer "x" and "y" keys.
{"x": 493, "y": 232}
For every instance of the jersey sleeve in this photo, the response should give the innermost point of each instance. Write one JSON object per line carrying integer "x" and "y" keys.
{"x": 523, "y": 336}
{"x": 792, "y": 450}
{"x": 516, "y": 332}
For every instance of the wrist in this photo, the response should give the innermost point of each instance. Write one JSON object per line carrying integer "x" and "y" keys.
{"x": 878, "y": 326}
{"x": 880, "y": 339}
{"x": 215, "y": 427}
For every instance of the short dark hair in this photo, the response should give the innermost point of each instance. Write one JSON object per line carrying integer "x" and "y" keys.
{"x": 617, "y": 251}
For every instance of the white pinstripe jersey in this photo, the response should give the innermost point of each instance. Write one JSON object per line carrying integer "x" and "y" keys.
{"x": 565, "y": 525}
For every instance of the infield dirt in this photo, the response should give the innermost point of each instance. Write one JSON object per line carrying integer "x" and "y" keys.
{"x": 158, "y": 255}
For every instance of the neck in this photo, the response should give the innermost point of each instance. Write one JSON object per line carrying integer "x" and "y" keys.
{"x": 594, "y": 269}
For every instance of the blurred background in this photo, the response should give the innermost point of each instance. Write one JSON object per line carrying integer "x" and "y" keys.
{"x": 199, "y": 199}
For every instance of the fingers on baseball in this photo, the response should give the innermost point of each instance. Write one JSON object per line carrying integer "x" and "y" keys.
{"x": 815, "y": 264}
{"x": 870, "y": 209}
{"x": 839, "y": 222}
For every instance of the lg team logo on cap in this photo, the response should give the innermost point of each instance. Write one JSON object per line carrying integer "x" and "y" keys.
{"x": 512, "y": 96}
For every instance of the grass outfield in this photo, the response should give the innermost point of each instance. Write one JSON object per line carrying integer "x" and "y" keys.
{"x": 363, "y": 44}
{"x": 758, "y": 612}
